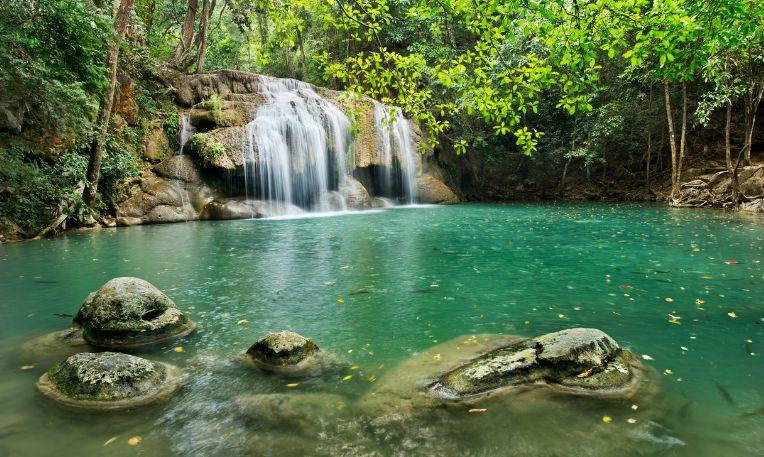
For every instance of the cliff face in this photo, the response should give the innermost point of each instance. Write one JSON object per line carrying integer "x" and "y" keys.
{"x": 257, "y": 146}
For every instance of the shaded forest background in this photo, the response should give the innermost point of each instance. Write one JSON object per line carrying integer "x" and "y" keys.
{"x": 601, "y": 99}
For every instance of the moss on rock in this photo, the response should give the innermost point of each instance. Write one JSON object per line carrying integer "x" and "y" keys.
{"x": 283, "y": 352}
{"x": 108, "y": 380}
{"x": 130, "y": 313}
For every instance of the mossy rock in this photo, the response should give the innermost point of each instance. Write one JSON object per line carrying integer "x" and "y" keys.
{"x": 130, "y": 313}
{"x": 109, "y": 381}
{"x": 577, "y": 360}
{"x": 283, "y": 352}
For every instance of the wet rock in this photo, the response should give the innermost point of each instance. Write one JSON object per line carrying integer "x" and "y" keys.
{"x": 180, "y": 167}
{"x": 228, "y": 114}
{"x": 355, "y": 194}
{"x": 578, "y": 360}
{"x": 283, "y": 352}
{"x": 54, "y": 345}
{"x": 299, "y": 412}
{"x": 243, "y": 208}
{"x": 431, "y": 190}
{"x": 128, "y": 313}
{"x": 109, "y": 381}
{"x": 755, "y": 206}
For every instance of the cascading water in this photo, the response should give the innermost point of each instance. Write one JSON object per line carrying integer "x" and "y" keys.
{"x": 295, "y": 148}
{"x": 394, "y": 133}
{"x": 186, "y": 131}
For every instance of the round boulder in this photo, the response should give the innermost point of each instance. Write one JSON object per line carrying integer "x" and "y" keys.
{"x": 283, "y": 352}
{"x": 109, "y": 381}
{"x": 129, "y": 313}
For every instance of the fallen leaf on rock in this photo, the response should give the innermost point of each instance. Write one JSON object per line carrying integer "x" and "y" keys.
{"x": 134, "y": 441}
{"x": 477, "y": 410}
{"x": 585, "y": 374}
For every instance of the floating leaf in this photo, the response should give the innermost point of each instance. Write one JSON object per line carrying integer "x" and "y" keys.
{"x": 26, "y": 367}
{"x": 178, "y": 349}
{"x": 607, "y": 419}
{"x": 631, "y": 420}
{"x": 477, "y": 410}
{"x": 730, "y": 262}
{"x": 293, "y": 384}
{"x": 647, "y": 357}
{"x": 669, "y": 299}
{"x": 372, "y": 378}
{"x": 111, "y": 440}
{"x": 732, "y": 314}
{"x": 354, "y": 367}
{"x": 340, "y": 300}
{"x": 242, "y": 321}
{"x": 348, "y": 377}
{"x": 134, "y": 441}
{"x": 635, "y": 407}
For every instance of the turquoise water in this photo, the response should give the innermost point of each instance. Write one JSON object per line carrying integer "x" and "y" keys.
{"x": 377, "y": 289}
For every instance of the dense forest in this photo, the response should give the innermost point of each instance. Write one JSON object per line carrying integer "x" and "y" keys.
{"x": 601, "y": 99}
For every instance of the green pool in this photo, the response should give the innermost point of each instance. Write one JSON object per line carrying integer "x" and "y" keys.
{"x": 379, "y": 289}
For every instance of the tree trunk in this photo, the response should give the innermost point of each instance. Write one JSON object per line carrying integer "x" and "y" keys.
{"x": 302, "y": 53}
{"x": 649, "y": 139}
{"x": 672, "y": 137}
{"x": 96, "y": 150}
{"x": 727, "y": 141}
{"x": 752, "y": 105}
{"x": 204, "y": 25}
{"x": 683, "y": 140}
{"x": 150, "y": 17}
{"x": 186, "y": 33}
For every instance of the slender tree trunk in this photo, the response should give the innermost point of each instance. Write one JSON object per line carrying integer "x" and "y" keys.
{"x": 96, "y": 150}
{"x": 204, "y": 25}
{"x": 561, "y": 190}
{"x": 302, "y": 53}
{"x": 672, "y": 137}
{"x": 150, "y": 17}
{"x": 186, "y": 33}
{"x": 683, "y": 137}
{"x": 727, "y": 141}
{"x": 649, "y": 139}
{"x": 752, "y": 105}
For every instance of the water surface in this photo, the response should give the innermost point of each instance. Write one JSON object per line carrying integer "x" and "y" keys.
{"x": 378, "y": 289}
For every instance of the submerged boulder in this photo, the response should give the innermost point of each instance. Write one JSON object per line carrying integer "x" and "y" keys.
{"x": 283, "y": 352}
{"x": 109, "y": 381}
{"x": 580, "y": 360}
{"x": 54, "y": 345}
{"x": 128, "y": 313}
{"x": 433, "y": 190}
{"x": 297, "y": 412}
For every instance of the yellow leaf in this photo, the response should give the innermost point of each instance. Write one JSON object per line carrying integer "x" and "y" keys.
{"x": 372, "y": 378}
{"x": 340, "y": 300}
{"x": 111, "y": 440}
{"x": 347, "y": 378}
{"x": 26, "y": 367}
{"x": 294, "y": 384}
{"x": 242, "y": 321}
{"x": 699, "y": 301}
{"x": 607, "y": 419}
{"x": 178, "y": 349}
{"x": 667, "y": 371}
{"x": 631, "y": 420}
{"x": 437, "y": 357}
{"x": 354, "y": 367}
{"x": 732, "y": 314}
{"x": 134, "y": 441}
{"x": 669, "y": 299}
{"x": 477, "y": 410}
{"x": 585, "y": 374}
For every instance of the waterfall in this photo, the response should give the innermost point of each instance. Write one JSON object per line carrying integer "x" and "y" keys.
{"x": 186, "y": 130}
{"x": 294, "y": 149}
{"x": 394, "y": 133}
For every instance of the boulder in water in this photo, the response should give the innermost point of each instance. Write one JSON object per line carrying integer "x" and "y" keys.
{"x": 243, "y": 208}
{"x": 283, "y": 352}
{"x": 578, "y": 360}
{"x": 296, "y": 412}
{"x": 356, "y": 196}
{"x": 54, "y": 346}
{"x": 109, "y": 381}
{"x": 433, "y": 190}
{"x": 127, "y": 313}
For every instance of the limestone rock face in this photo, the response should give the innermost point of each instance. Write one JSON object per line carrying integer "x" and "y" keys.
{"x": 282, "y": 352}
{"x": 180, "y": 167}
{"x": 156, "y": 146}
{"x": 432, "y": 190}
{"x": 130, "y": 313}
{"x": 579, "y": 359}
{"x": 109, "y": 381}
